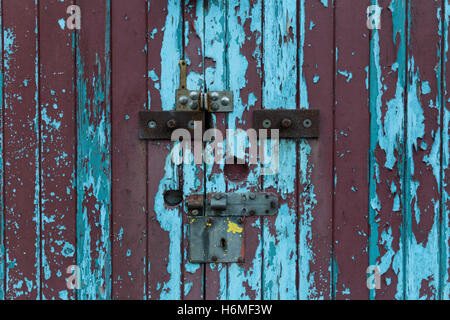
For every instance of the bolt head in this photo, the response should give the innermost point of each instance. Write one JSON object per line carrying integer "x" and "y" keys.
{"x": 171, "y": 124}
{"x": 307, "y": 123}
{"x": 193, "y": 105}
{"x": 194, "y": 95}
{"x": 214, "y": 96}
{"x": 267, "y": 123}
{"x": 225, "y": 101}
{"x": 214, "y": 106}
{"x": 286, "y": 123}
{"x": 152, "y": 124}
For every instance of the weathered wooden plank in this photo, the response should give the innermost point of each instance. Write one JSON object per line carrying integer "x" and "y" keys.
{"x": 387, "y": 157}
{"x": 316, "y": 156}
{"x": 244, "y": 65}
{"x": 21, "y": 150}
{"x": 165, "y": 232}
{"x": 93, "y": 150}
{"x": 281, "y": 90}
{"x": 351, "y": 129}
{"x": 445, "y": 162}
{"x": 216, "y": 275}
{"x": 423, "y": 143}
{"x": 129, "y": 162}
{"x": 193, "y": 274}
{"x": 58, "y": 149}
{"x": 2, "y": 169}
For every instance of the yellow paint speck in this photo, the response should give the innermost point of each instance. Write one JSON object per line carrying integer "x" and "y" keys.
{"x": 233, "y": 227}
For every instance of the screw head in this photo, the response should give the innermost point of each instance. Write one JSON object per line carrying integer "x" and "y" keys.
{"x": 193, "y": 105}
{"x": 214, "y": 96}
{"x": 307, "y": 123}
{"x": 194, "y": 95}
{"x": 225, "y": 101}
{"x": 171, "y": 124}
{"x": 183, "y": 100}
{"x": 267, "y": 123}
{"x": 286, "y": 123}
{"x": 152, "y": 124}
{"x": 214, "y": 106}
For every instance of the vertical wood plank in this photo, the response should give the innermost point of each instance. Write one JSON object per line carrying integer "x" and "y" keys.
{"x": 423, "y": 143}
{"x": 129, "y": 188}
{"x": 93, "y": 150}
{"x": 2, "y": 166}
{"x": 193, "y": 32}
{"x": 351, "y": 129}
{"x": 216, "y": 275}
{"x": 165, "y": 230}
{"x": 280, "y": 90}
{"x": 445, "y": 153}
{"x": 244, "y": 65}
{"x": 315, "y": 173}
{"x": 58, "y": 149}
{"x": 387, "y": 158}
{"x": 21, "y": 150}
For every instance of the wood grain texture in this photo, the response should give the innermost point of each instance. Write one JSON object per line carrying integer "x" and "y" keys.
{"x": 129, "y": 162}
{"x": 22, "y": 219}
{"x": 387, "y": 154}
{"x": 351, "y": 129}
{"x": 423, "y": 144}
{"x": 58, "y": 148}
{"x": 94, "y": 150}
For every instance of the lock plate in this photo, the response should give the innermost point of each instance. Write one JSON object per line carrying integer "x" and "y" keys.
{"x": 216, "y": 240}
{"x": 159, "y": 125}
{"x": 292, "y": 123}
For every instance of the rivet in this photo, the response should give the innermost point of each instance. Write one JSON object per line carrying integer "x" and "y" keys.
{"x": 152, "y": 124}
{"x": 286, "y": 123}
{"x": 307, "y": 123}
{"x": 225, "y": 101}
{"x": 267, "y": 123}
{"x": 191, "y": 124}
{"x": 183, "y": 100}
{"x": 171, "y": 124}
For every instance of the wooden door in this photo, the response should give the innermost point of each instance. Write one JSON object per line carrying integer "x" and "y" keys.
{"x": 82, "y": 194}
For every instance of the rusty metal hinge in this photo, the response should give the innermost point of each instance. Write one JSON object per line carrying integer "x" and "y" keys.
{"x": 216, "y": 224}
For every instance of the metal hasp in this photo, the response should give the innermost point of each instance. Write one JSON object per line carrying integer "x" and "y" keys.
{"x": 216, "y": 226}
{"x": 291, "y": 123}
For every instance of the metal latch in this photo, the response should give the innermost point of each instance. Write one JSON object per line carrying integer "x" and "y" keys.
{"x": 216, "y": 229}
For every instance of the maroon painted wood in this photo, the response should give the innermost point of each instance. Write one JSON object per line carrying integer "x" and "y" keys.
{"x": 129, "y": 96}
{"x": 58, "y": 149}
{"x": 315, "y": 206}
{"x": 351, "y": 129}
{"x": 21, "y": 151}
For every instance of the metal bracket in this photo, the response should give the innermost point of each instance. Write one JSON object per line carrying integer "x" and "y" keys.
{"x": 216, "y": 229}
{"x": 291, "y": 123}
{"x": 159, "y": 125}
